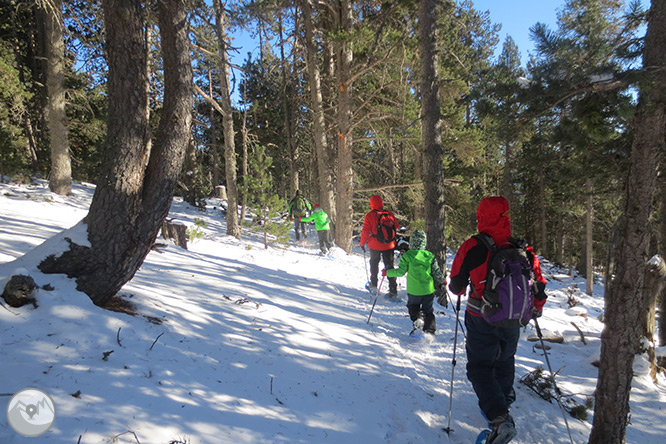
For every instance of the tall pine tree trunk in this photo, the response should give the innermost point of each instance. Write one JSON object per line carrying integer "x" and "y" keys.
{"x": 316, "y": 107}
{"x": 233, "y": 227}
{"x": 60, "y": 177}
{"x": 431, "y": 132}
{"x": 626, "y": 300}
{"x": 661, "y": 299}
{"x": 589, "y": 246}
{"x": 345, "y": 179}
{"x": 287, "y": 97}
{"x": 134, "y": 192}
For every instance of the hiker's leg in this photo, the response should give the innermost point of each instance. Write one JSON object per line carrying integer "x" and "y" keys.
{"x": 483, "y": 348}
{"x": 375, "y": 255}
{"x": 387, "y": 257}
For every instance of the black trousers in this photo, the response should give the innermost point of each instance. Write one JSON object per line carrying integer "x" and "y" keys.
{"x": 418, "y": 304}
{"x": 491, "y": 364}
{"x": 387, "y": 257}
{"x": 325, "y": 243}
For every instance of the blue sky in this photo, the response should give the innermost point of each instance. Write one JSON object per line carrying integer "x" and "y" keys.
{"x": 518, "y": 16}
{"x": 515, "y": 16}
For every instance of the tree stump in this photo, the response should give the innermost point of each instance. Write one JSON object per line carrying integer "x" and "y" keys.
{"x": 176, "y": 231}
{"x": 221, "y": 191}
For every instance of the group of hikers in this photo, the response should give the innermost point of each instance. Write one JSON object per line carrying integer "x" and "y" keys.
{"x": 491, "y": 340}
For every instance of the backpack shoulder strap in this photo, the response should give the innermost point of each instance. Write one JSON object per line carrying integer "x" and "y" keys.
{"x": 487, "y": 240}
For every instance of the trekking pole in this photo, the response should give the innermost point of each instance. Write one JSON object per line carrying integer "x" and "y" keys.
{"x": 373, "y": 304}
{"x": 458, "y": 321}
{"x": 453, "y": 366}
{"x": 552, "y": 377}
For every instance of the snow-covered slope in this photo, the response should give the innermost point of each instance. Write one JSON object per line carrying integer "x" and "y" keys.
{"x": 233, "y": 343}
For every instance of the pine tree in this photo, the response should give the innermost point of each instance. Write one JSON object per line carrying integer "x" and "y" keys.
{"x": 264, "y": 202}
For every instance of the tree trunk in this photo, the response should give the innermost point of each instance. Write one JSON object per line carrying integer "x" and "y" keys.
{"x": 507, "y": 173}
{"x": 431, "y": 133}
{"x": 589, "y": 268}
{"x": 543, "y": 246}
{"x": 626, "y": 301}
{"x": 345, "y": 179}
{"x": 287, "y": 97}
{"x": 133, "y": 196}
{"x": 60, "y": 178}
{"x": 214, "y": 146}
{"x": 233, "y": 228}
{"x": 190, "y": 179}
{"x": 661, "y": 299}
{"x": 244, "y": 159}
{"x": 324, "y": 170}
{"x": 655, "y": 277}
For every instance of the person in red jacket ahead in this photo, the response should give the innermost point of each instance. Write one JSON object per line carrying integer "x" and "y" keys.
{"x": 491, "y": 350}
{"x": 378, "y": 249}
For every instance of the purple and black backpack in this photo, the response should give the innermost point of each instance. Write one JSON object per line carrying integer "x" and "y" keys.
{"x": 507, "y": 299}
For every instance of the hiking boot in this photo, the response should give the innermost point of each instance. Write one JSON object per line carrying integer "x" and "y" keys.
{"x": 371, "y": 288}
{"x": 418, "y": 324}
{"x": 503, "y": 430}
{"x": 392, "y": 295}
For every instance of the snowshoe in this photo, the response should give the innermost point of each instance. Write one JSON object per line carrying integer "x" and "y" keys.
{"x": 483, "y": 436}
{"x": 503, "y": 430}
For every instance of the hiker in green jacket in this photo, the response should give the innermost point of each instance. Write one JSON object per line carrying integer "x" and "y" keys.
{"x": 323, "y": 227}
{"x": 424, "y": 279}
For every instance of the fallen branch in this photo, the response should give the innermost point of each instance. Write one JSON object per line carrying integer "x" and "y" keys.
{"x": 582, "y": 336}
{"x": 125, "y": 433}
{"x": 155, "y": 341}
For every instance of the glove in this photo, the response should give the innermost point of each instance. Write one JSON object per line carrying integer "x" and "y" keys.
{"x": 384, "y": 272}
{"x": 299, "y": 219}
{"x": 536, "y": 312}
{"x": 363, "y": 248}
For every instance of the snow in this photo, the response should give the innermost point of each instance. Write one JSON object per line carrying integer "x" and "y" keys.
{"x": 234, "y": 343}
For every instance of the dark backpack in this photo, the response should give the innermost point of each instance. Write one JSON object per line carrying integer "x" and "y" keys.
{"x": 508, "y": 297}
{"x": 385, "y": 227}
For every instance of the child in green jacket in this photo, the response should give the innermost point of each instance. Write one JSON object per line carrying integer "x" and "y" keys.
{"x": 424, "y": 277}
{"x": 323, "y": 227}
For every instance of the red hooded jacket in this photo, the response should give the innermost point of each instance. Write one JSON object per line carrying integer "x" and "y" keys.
{"x": 471, "y": 260}
{"x": 370, "y": 225}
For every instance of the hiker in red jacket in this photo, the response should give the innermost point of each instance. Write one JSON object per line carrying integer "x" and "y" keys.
{"x": 379, "y": 248}
{"x": 490, "y": 349}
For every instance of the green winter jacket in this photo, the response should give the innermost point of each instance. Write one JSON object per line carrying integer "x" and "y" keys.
{"x": 320, "y": 218}
{"x": 420, "y": 267}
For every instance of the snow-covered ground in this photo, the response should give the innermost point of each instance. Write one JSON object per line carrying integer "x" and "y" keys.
{"x": 233, "y": 343}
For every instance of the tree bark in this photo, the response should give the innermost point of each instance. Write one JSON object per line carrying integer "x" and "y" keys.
{"x": 233, "y": 227}
{"x": 287, "y": 97}
{"x": 323, "y": 156}
{"x": 661, "y": 299}
{"x": 655, "y": 278}
{"x": 133, "y": 196}
{"x": 60, "y": 177}
{"x": 431, "y": 133}
{"x": 345, "y": 179}
{"x": 626, "y": 301}
{"x": 589, "y": 268}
